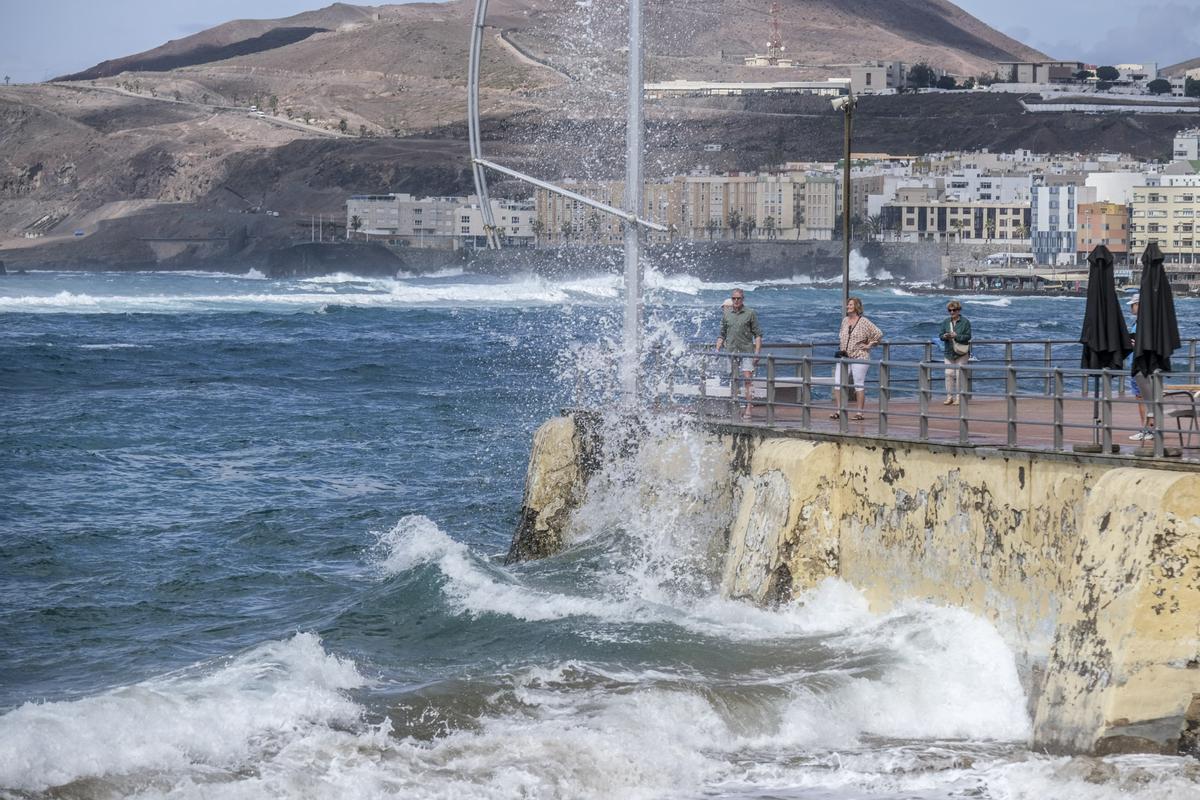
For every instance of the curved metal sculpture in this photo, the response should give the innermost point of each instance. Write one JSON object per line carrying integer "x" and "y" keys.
{"x": 634, "y": 224}
{"x": 481, "y": 189}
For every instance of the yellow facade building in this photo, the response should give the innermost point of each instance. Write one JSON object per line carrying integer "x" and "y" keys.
{"x": 1168, "y": 216}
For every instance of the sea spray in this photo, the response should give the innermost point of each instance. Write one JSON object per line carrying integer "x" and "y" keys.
{"x": 860, "y": 269}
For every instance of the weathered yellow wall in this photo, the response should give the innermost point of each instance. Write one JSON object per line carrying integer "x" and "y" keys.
{"x": 1090, "y": 570}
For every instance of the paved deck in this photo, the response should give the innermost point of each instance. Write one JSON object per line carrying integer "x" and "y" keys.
{"x": 986, "y": 426}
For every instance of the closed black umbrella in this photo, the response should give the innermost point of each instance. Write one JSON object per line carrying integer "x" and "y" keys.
{"x": 1157, "y": 334}
{"x": 1105, "y": 336}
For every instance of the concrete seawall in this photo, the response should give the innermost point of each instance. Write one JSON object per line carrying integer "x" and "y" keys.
{"x": 1090, "y": 570}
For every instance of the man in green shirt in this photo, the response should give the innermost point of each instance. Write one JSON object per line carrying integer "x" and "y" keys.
{"x": 739, "y": 333}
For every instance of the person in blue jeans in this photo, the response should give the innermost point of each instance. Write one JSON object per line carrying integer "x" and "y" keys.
{"x": 1139, "y": 384}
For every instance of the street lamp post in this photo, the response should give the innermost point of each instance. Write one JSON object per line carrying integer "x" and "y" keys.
{"x": 846, "y": 104}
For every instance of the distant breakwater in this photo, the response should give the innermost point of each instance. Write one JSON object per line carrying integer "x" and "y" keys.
{"x": 721, "y": 260}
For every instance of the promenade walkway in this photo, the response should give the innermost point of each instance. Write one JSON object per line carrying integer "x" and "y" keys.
{"x": 1020, "y": 394}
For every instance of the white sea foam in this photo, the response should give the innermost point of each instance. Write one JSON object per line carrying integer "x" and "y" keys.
{"x": 254, "y": 275}
{"x": 999, "y": 302}
{"x": 216, "y": 717}
{"x": 1144, "y": 777}
{"x": 952, "y": 677}
{"x": 448, "y": 272}
{"x": 401, "y": 295}
{"x": 472, "y": 588}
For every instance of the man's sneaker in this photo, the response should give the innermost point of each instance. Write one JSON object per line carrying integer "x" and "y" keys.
{"x": 1141, "y": 435}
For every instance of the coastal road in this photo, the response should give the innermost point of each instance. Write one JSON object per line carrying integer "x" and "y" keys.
{"x": 211, "y": 108}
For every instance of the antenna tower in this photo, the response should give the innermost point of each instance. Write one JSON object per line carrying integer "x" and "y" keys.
{"x": 775, "y": 43}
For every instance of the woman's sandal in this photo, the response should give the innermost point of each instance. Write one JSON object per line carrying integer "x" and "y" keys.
{"x": 835, "y": 415}
{"x": 858, "y": 417}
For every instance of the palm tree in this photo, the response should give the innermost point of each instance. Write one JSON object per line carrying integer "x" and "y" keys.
{"x": 355, "y": 223}
{"x": 956, "y": 231}
{"x": 712, "y": 226}
{"x": 538, "y": 227}
{"x": 567, "y": 229}
{"x": 874, "y": 226}
{"x": 735, "y": 221}
{"x": 593, "y": 223}
{"x": 769, "y": 227}
{"x": 6, "y": 79}
{"x": 990, "y": 227}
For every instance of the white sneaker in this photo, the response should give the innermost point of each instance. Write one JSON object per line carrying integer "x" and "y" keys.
{"x": 1141, "y": 436}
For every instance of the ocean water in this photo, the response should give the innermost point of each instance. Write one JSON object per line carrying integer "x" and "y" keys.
{"x": 251, "y": 542}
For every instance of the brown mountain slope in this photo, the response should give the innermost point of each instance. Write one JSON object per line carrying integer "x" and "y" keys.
{"x": 228, "y": 40}
{"x": 400, "y": 68}
{"x": 1180, "y": 68}
{"x": 816, "y": 32}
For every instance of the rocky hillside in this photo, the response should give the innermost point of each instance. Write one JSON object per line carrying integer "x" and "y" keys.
{"x": 157, "y": 156}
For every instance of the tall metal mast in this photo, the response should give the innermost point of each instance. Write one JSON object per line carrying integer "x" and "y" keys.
{"x": 633, "y": 205}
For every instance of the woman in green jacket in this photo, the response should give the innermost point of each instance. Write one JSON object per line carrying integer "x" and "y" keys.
{"x": 956, "y": 343}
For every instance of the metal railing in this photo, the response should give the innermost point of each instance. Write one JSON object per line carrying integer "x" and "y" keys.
{"x": 1012, "y": 393}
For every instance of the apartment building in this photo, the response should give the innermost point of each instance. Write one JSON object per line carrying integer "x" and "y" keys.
{"x": 777, "y": 203}
{"x": 924, "y": 214}
{"x": 562, "y": 220}
{"x": 822, "y": 207}
{"x": 1168, "y": 216}
{"x": 513, "y": 221}
{"x": 1054, "y": 219}
{"x": 1039, "y": 71}
{"x": 977, "y": 185}
{"x": 862, "y": 186}
{"x": 1187, "y": 145}
{"x": 404, "y": 219}
{"x": 374, "y": 213}
{"x": 710, "y": 200}
{"x": 1103, "y": 224}
{"x": 878, "y": 77}
{"x": 1118, "y": 187}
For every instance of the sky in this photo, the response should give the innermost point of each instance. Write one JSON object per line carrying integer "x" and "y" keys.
{"x": 41, "y": 40}
{"x": 1098, "y": 31}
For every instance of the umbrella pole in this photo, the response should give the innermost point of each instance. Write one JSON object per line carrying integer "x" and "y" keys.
{"x": 1095, "y": 446}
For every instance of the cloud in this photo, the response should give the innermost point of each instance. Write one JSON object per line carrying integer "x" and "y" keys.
{"x": 1165, "y": 33}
